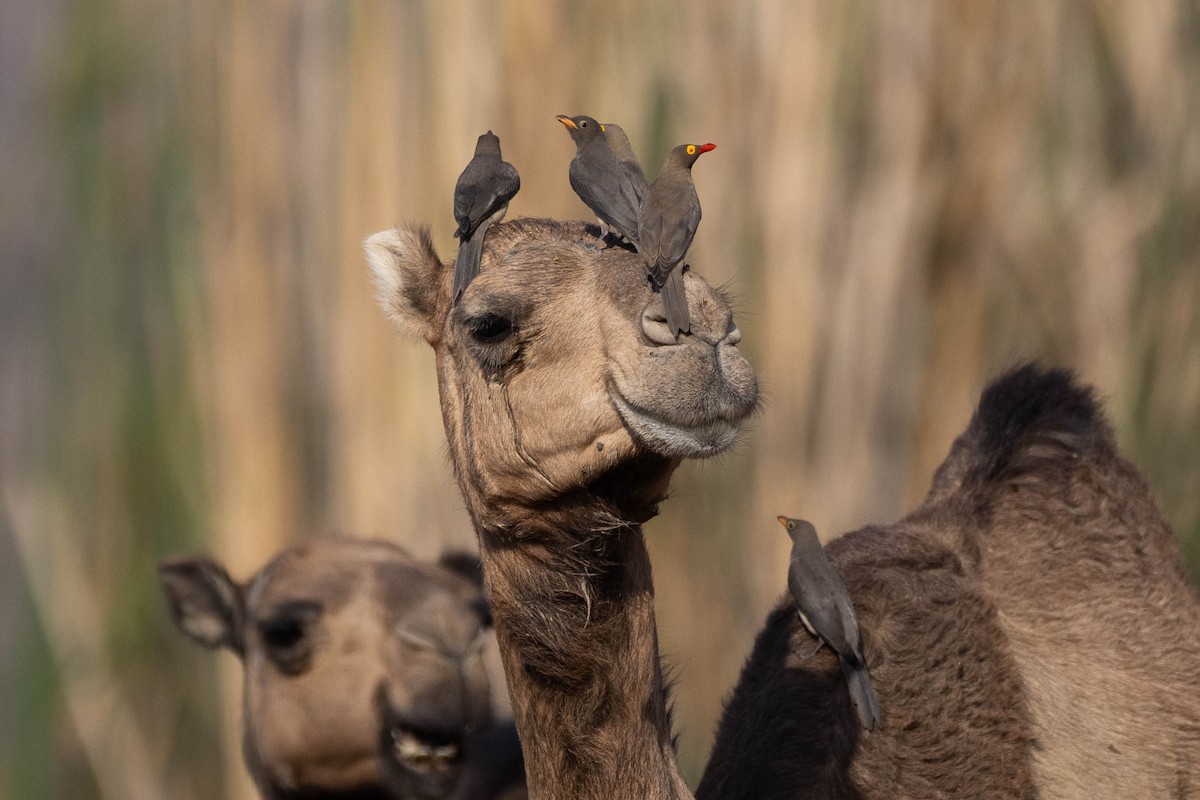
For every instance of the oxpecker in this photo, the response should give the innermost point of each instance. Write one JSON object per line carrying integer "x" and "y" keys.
{"x": 480, "y": 199}
{"x": 603, "y": 182}
{"x": 826, "y": 611}
{"x": 669, "y": 218}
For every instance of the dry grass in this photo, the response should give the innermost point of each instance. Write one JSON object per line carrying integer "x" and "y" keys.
{"x": 906, "y": 198}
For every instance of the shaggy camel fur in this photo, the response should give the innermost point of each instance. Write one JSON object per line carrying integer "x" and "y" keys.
{"x": 364, "y": 671}
{"x": 1068, "y": 573}
{"x": 567, "y": 409}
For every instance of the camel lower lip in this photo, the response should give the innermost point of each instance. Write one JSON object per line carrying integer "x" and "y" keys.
{"x": 672, "y": 439}
{"x": 422, "y": 756}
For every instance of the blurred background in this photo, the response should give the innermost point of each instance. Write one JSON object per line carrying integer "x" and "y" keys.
{"x": 906, "y": 198}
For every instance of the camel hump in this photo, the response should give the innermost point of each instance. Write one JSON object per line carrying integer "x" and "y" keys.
{"x": 1030, "y": 407}
{"x": 1031, "y": 418}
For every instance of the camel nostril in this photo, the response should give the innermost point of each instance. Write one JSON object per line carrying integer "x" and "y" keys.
{"x": 655, "y": 327}
{"x": 734, "y": 336}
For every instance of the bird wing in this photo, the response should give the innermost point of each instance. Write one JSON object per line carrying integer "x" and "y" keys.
{"x": 821, "y": 595}
{"x": 608, "y": 188}
{"x": 481, "y": 192}
{"x": 665, "y": 242}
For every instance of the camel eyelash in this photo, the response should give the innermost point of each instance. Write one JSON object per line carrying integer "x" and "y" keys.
{"x": 490, "y": 328}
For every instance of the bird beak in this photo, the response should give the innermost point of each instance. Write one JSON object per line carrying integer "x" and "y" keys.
{"x": 704, "y": 148}
{"x": 782, "y": 520}
{"x": 565, "y": 120}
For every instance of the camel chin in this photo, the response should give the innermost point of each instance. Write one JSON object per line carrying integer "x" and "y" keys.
{"x": 704, "y": 439}
{"x": 687, "y": 400}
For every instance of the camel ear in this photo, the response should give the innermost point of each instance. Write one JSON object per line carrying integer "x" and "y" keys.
{"x": 204, "y": 602}
{"x": 463, "y": 564}
{"x": 408, "y": 279}
{"x": 467, "y": 565}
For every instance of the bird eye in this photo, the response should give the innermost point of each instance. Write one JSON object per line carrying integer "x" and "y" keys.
{"x": 583, "y": 123}
{"x": 691, "y": 151}
{"x": 490, "y": 328}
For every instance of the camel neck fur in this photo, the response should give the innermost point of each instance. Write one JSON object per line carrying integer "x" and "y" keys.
{"x": 574, "y": 613}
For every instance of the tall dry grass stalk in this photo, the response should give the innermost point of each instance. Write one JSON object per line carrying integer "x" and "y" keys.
{"x": 905, "y": 198}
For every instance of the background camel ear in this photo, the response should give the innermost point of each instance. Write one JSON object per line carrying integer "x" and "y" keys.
{"x": 468, "y": 565}
{"x": 204, "y": 602}
{"x": 464, "y": 564}
{"x": 409, "y": 279}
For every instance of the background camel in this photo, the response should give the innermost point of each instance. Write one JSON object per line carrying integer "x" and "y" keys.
{"x": 558, "y": 496}
{"x": 364, "y": 670}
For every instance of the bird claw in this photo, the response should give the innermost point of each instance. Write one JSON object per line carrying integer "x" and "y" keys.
{"x": 805, "y": 645}
{"x": 601, "y": 242}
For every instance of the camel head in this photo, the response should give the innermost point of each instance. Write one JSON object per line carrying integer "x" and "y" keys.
{"x": 558, "y": 376}
{"x": 363, "y": 667}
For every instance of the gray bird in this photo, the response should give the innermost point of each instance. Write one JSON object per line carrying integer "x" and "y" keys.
{"x": 607, "y": 186}
{"x": 825, "y": 609}
{"x": 669, "y": 218}
{"x": 480, "y": 199}
{"x": 617, "y": 141}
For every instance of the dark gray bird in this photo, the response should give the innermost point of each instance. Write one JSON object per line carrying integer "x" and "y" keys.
{"x": 617, "y": 141}
{"x": 826, "y": 611}
{"x": 480, "y": 198}
{"x": 669, "y": 218}
{"x": 607, "y": 186}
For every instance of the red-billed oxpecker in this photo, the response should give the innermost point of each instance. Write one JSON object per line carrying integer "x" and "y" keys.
{"x": 669, "y": 218}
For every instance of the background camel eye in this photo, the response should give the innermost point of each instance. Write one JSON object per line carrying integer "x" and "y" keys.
{"x": 282, "y": 632}
{"x": 288, "y": 626}
{"x": 490, "y": 328}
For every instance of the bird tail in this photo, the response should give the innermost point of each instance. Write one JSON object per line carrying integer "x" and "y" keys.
{"x": 466, "y": 263}
{"x": 862, "y": 692}
{"x": 675, "y": 303}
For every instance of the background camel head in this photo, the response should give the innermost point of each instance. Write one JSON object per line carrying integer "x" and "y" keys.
{"x": 556, "y": 367}
{"x": 363, "y": 667}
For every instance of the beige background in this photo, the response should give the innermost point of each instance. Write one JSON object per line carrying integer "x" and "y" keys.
{"x": 906, "y": 197}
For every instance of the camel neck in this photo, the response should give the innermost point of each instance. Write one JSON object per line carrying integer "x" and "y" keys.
{"x": 574, "y": 616}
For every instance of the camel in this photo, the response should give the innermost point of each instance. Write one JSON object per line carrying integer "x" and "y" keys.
{"x": 567, "y": 406}
{"x": 364, "y": 671}
{"x": 1087, "y": 604}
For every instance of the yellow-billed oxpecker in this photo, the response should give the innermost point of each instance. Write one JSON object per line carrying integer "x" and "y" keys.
{"x": 480, "y": 198}
{"x": 603, "y": 182}
{"x": 618, "y": 141}
{"x": 826, "y": 611}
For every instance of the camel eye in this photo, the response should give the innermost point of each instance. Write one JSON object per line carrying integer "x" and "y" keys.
{"x": 490, "y": 328}
{"x": 285, "y": 632}
{"x": 282, "y": 632}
